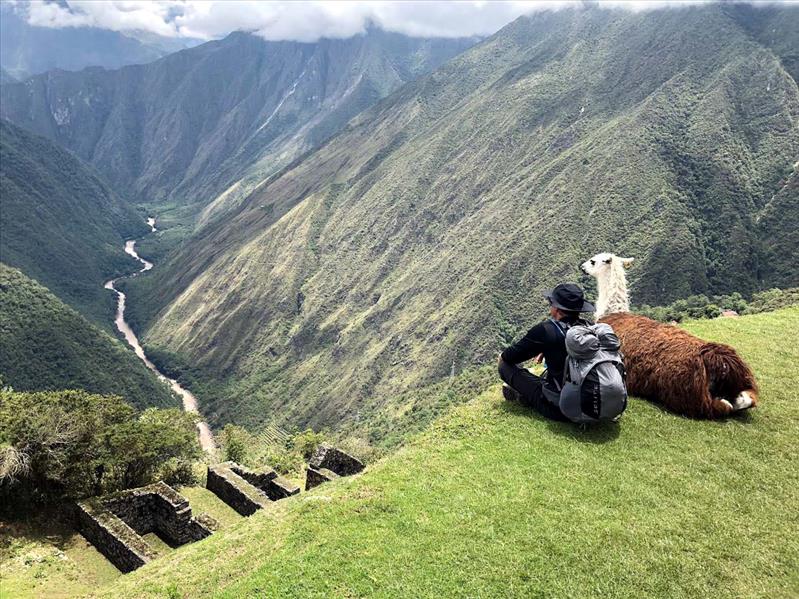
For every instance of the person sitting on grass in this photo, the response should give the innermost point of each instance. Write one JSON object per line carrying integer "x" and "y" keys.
{"x": 545, "y": 341}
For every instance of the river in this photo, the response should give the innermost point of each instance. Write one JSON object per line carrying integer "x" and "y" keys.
{"x": 189, "y": 401}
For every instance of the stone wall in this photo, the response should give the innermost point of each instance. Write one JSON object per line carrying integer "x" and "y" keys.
{"x": 112, "y": 537}
{"x": 114, "y": 523}
{"x": 235, "y": 490}
{"x": 315, "y": 477}
{"x": 328, "y": 463}
{"x": 335, "y": 460}
{"x": 280, "y": 488}
{"x": 247, "y": 491}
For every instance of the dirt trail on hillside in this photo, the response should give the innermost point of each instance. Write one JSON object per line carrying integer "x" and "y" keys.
{"x": 189, "y": 400}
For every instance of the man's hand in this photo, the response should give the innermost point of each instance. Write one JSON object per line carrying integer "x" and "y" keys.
{"x": 499, "y": 360}
{"x": 539, "y": 358}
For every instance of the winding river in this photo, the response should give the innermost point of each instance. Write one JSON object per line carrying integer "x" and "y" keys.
{"x": 189, "y": 401}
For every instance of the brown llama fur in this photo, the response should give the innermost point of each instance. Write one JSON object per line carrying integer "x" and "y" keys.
{"x": 684, "y": 373}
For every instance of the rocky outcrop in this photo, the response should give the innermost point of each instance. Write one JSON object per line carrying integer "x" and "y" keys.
{"x": 114, "y": 524}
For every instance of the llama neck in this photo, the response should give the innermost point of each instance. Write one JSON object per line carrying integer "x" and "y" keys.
{"x": 613, "y": 295}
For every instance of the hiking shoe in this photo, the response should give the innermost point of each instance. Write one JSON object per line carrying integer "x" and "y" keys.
{"x": 510, "y": 393}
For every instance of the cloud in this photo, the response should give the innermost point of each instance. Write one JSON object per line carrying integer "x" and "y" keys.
{"x": 299, "y": 21}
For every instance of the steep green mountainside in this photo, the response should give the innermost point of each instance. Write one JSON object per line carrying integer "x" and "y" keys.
{"x": 46, "y": 345}
{"x": 493, "y": 501}
{"x": 419, "y": 241}
{"x": 226, "y": 113}
{"x": 60, "y": 222}
{"x": 777, "y": 222}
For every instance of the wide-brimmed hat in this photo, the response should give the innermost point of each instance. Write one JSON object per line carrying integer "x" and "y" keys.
{"x": 569, "y": 297}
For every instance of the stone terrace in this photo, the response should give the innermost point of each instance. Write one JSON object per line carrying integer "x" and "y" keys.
{"x": 328, "y": 463}
{"x": 247, "y": 491}
{"x": 115, "y": 524}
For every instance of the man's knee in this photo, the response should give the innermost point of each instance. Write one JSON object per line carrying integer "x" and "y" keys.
{"x": 505, "y": 371}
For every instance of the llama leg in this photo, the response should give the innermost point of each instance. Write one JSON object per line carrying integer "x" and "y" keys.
{"x": 720, "y": 408}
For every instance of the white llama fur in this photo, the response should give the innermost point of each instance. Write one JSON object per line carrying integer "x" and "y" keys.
{"x": 608, "y": 269}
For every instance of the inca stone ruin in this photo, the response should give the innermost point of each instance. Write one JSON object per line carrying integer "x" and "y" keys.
{"x": 247, "y": 491}
{"x": 115, "y": 524}
{"x": 328, "y": 463}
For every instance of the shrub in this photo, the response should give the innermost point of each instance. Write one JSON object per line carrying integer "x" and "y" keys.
{"x": 70, "y": 444}
{"x": 306, "y": 442}
{"x": 702, "y": 306}
{"x": 235, "y": 442}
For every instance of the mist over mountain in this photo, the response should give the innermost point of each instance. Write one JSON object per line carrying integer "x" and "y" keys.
{"x": 420, "y": 239}
{"x": 61, "y": 223}
{"x": 229, "y": 112}
{"x": 28, "y": 50}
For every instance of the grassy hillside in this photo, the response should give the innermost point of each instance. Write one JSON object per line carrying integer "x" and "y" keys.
{"x": 493, "y": 501}
{"x": 226, "y": 113}
{"x": 46, "y": 345}
{"x": 420, "y": 240}
{"x": 61, "y": 224}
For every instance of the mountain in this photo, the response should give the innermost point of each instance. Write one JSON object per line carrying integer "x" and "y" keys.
{"x": 46, "y": 345}
{"x": 420, "y": 239}
{"x": 61, "y": 224}
{"x": 6, "y": 77}
{"x": 221, "y": 116}
{"x": 28, "y": 50}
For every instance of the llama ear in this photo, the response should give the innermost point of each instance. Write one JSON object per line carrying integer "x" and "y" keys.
{"x": 627, "y": 262}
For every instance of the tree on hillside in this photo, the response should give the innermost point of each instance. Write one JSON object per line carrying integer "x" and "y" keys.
{"x": 72, "y": 444}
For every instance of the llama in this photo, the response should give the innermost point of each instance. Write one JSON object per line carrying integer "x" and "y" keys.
{"x": 664, "y": 363}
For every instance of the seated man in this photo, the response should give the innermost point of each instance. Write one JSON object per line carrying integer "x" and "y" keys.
{"x": 545, "y": 341}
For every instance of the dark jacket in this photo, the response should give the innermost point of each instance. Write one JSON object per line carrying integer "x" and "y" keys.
{"x": 545, "y": 339}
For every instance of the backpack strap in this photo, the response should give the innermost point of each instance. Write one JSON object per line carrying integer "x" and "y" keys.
{"x": 559, "y": 329}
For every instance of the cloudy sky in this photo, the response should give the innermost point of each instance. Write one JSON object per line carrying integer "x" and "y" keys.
{"x": 301, "y": 21}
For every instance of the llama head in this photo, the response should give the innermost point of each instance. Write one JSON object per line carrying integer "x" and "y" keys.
{"x": 603, "y": 264}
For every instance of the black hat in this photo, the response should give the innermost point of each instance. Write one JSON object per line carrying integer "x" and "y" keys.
{"x": 569, "y": 297}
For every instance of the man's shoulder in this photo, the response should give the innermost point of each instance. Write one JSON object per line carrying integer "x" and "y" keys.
{"x": 542, "y": 329}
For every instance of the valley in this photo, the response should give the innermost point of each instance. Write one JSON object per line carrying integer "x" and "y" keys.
{"x": 419, "y": 240}
{"x": 240, "y": 249}
{"x": 206, "y": 437}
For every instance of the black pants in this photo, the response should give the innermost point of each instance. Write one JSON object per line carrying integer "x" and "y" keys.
{"x": 530, "y": 389}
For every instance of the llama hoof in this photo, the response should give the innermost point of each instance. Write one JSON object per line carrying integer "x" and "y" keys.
{"x": 728, "y": 404}
{"x": 744, "y": 401}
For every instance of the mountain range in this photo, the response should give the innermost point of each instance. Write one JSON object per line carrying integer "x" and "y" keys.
{"x": 62, "y": 224}
{"x": 46, "y": 345}
{"x": 27, "y": 50}
{"x": 372, "y": 215}
{"x": 420, "y": 239}
{"x": 211, "y": 122}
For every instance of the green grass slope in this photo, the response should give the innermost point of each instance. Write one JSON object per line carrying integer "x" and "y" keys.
{"x": 421, "y": 238}
{"x": 46, "y": 345}
{"x": 493, "y": 501}
{"x": 61, "y": 224}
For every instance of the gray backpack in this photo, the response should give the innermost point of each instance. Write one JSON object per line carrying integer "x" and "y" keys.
{"x": 593, "y": 386}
